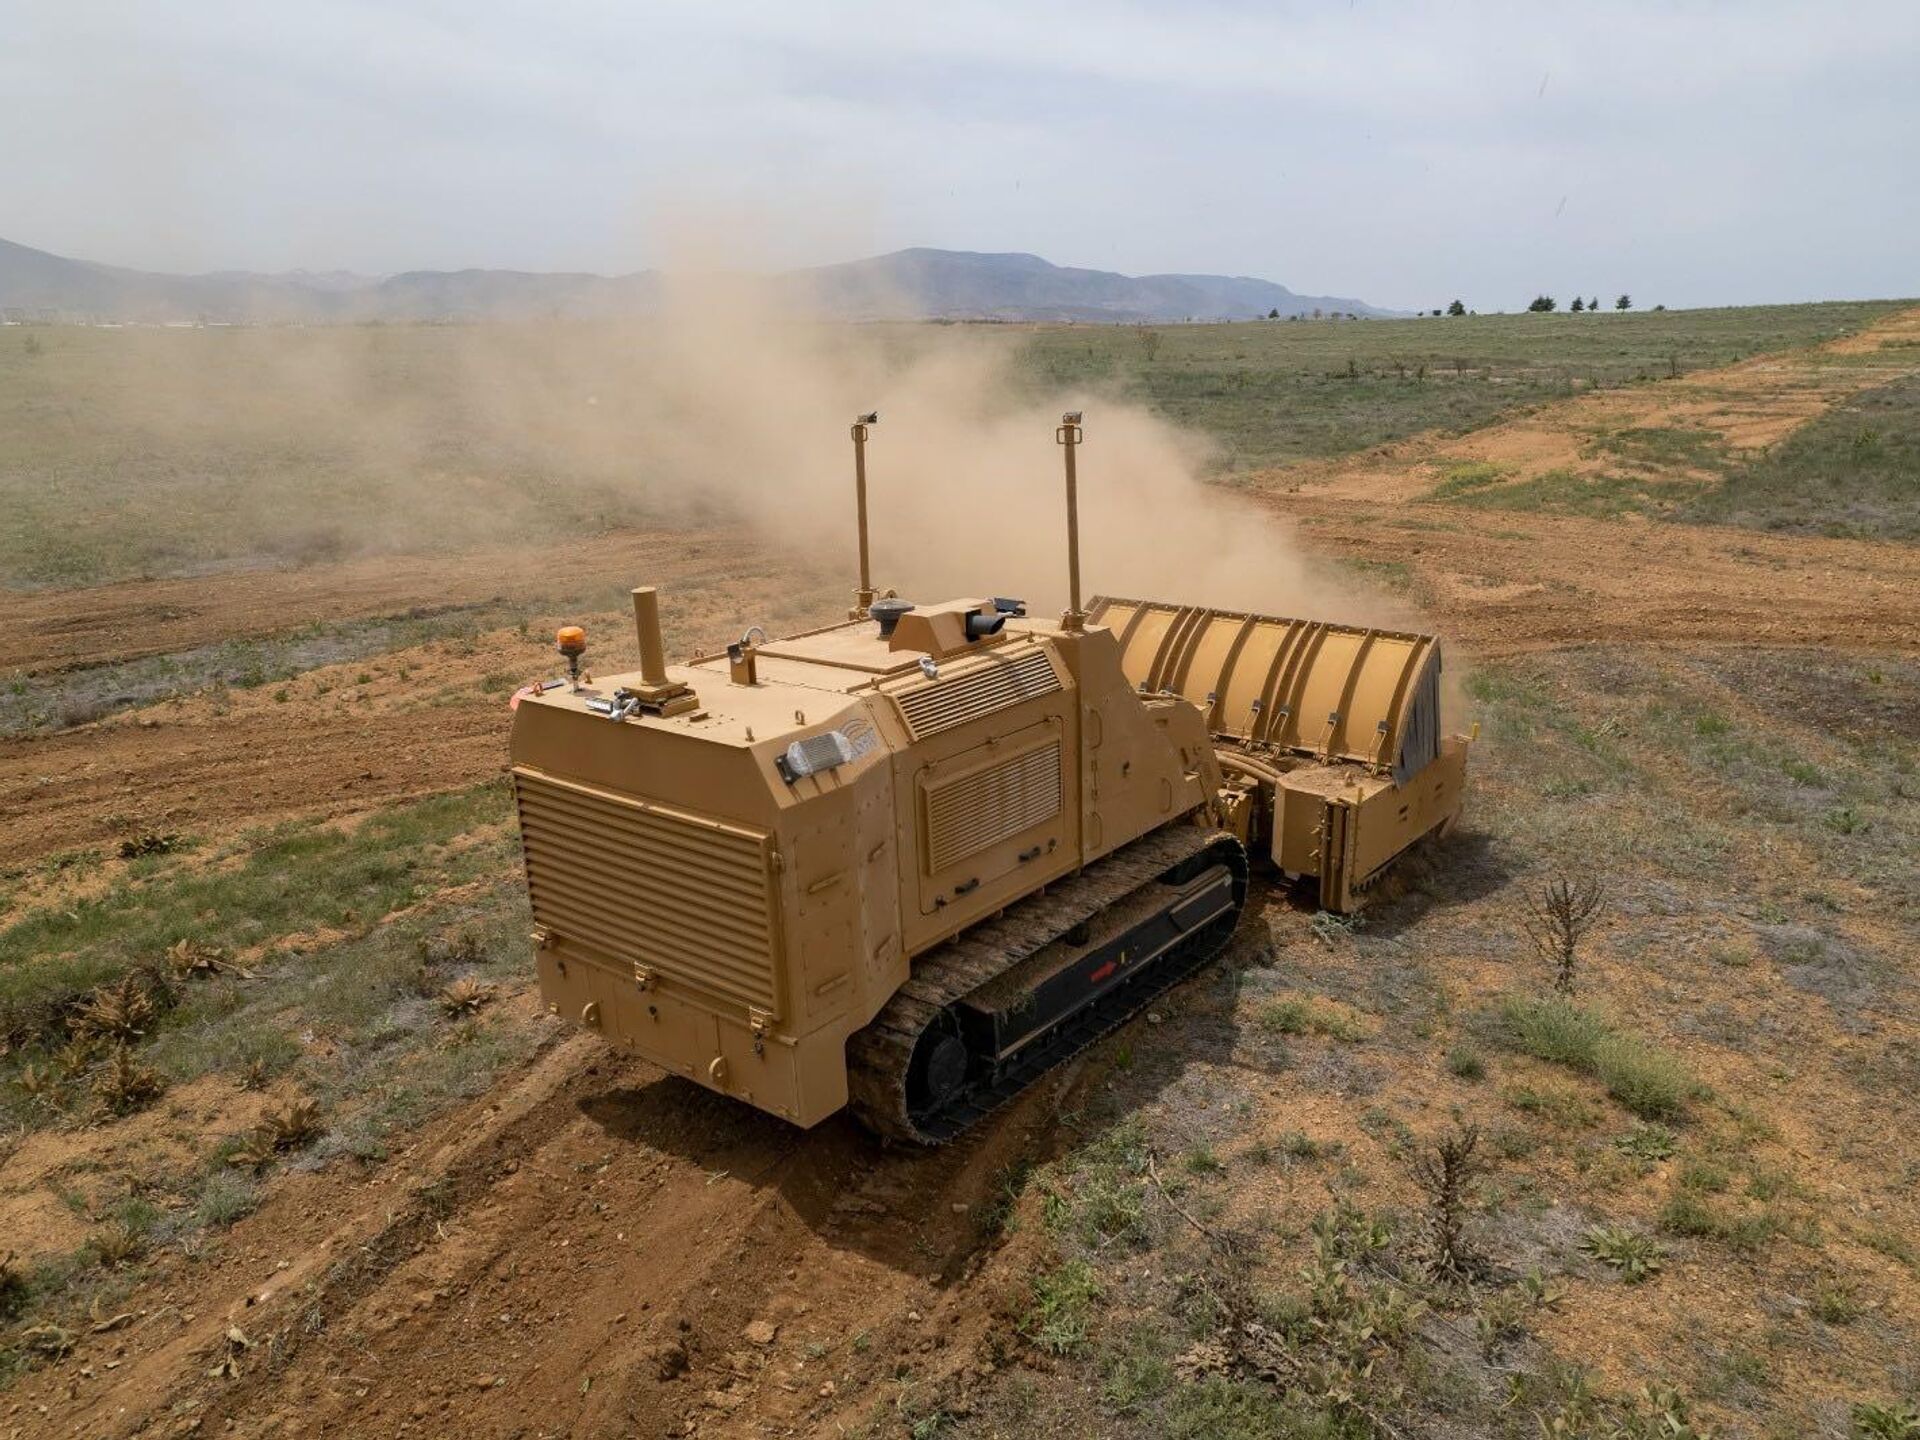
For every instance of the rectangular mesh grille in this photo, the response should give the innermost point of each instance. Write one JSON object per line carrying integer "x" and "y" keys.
{"x": 688, "y": 898}
{"x": 975, "y": 812}
{"x": 942, "y": 704}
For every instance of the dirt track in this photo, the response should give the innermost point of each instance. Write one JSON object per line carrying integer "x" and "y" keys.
{"x": 53, "y": 630}
{"x": 543, "y": 1261}
{"x": 544, "y": 1265}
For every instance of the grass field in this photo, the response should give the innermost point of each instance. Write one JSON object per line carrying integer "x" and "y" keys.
{"x": 1273, "y": 392}
{"x": 1853, "y": 471}
{"x": 156, "y": 452}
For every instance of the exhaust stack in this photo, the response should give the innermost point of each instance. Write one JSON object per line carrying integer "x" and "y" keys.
{"x": 646, "y": 619}
{"x": 1068, "y": 437}
{"x": 655, "y": 692}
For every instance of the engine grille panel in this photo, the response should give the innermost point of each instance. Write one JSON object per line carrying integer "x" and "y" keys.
{"x": 942, "y": 704}
{"x": 689, "y": 898}
{"x": 971, "y": 813}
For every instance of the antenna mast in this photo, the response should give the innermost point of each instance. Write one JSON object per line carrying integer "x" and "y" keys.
{"x": 863, "y": 597}
{"x": 1068, "y": 438}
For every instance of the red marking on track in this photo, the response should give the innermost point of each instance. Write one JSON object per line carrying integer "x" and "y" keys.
{"x": 1105, "y": 970}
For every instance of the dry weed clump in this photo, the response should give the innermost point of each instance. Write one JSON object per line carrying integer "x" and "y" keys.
{"x": 46, "y": 1342}
{"x": 451, "y": 950}
{"x": 118, "y": 1244}
{"x": 281, "y": 1130}
{"x": 124, "y": 1084}
{"x": 150, "y": 842}
{"x": 465, "y": 997}
{"x": 1444, "y": 1169}
{"x": 123, "y": 1011}
{"x": 13, "y": 1286}
{"x": 186, "y": 959}
{"x": 78, "y": 1055}
{"x": 1557, "y": 918}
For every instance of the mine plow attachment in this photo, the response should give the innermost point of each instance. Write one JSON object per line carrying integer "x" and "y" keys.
{"x": 1333, "y": 731}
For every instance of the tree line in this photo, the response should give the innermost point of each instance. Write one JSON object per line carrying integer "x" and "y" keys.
{"x": 1541, "y": 304}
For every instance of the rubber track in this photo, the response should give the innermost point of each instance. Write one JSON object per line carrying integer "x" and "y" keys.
{"x": 878, "y": 1055}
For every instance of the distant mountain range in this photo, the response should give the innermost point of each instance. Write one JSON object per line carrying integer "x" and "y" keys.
{"x": 908, "y": 284}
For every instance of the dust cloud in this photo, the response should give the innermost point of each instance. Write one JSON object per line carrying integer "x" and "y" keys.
{"x": 965, "y": 479}
{"x": 732, "y": 407}
{"x": 727, "y": 408}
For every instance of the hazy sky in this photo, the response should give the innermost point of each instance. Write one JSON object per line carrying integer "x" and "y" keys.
{"x": 1686, "y": 151}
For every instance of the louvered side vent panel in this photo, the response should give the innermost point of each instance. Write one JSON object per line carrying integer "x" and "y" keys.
{"x": 690, "y": 899}
{"x": 974, "y": 812}
{"x": 943, "y": 704}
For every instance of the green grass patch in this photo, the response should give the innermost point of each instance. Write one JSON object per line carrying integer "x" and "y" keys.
{"x": 295, "y": 879}
{"x": 74, "y": 697}
{"x": 1571, "y": 492}
{"x": 1687, "y": 1213}
{"x": 1220, "y": 1409}
{"x": 1097, "y": 1194}
{"x": 1270, "y": 392}
{"x": 1311, "y": 1016}
{"x": 1645, "y": 1079}
{"x": 1566, "y": 1108}
{"x": 1849, "y": 472}
{"x": 1062, "y": 1310}
{"x": 1469, "y": 475}
{"x": 1664, "y": 449}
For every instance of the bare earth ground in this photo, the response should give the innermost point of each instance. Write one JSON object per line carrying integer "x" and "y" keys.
{"x": 592, "y": 1248}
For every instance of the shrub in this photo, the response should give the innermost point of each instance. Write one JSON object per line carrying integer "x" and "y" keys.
{"x": 1637, "y": 1257}
{"x": 1465, "y": 1061}
{"x": 1884, "y": 1422}
{"x": 1558, "y": 917}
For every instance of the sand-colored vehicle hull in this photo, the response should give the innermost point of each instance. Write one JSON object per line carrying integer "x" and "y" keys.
{"x": 908, "y": 861}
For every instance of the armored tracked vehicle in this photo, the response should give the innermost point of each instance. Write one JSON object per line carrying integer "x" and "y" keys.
{"x": 908, "y": 862}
